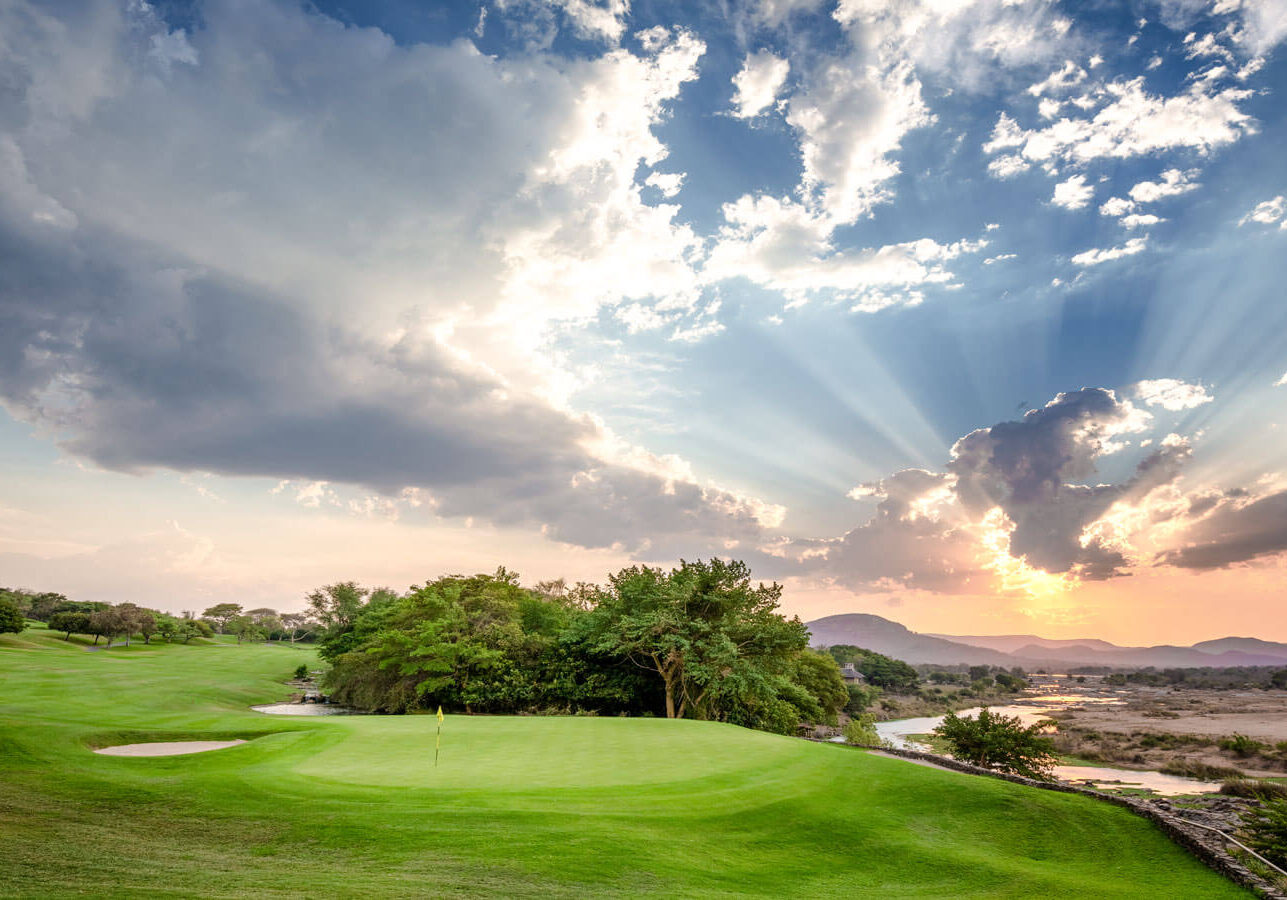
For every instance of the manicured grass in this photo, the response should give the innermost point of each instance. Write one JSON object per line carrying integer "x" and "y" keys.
{"x": 353, "y": 806}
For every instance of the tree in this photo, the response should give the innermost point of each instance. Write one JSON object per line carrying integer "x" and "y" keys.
{"x": 191, "y": 628}
{"x": 298, "y": 626}
{"x": 336, "y": 605}
{"x": 222, "y": 614}
{"x": 1279, "y": 679}
{"x": 167, "y": 627}
{"x": 712, "y": 638}
{"x": 826, "y": 691}
{"x": 266, "y": 620}
{"x": 12, "y": 620}
{"x": 245, "y": 629}
{"x": 106, "y": 623}
{"x": 1000, "y": 742}
{"x": 70, "y": 622}
{"x": 145, "y": 624}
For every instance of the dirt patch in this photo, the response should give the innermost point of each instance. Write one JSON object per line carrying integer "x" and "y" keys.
{"x": 1260, "y": 714}
{"x": 166, "y": 748}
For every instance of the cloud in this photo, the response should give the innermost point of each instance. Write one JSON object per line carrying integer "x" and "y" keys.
{"x": 1073, "y": 193}
{"x": 1060, "y": 81}
{"x": 758, "y": 83}
{"x": 1172, "y": 394}
{"x": 782, "y": 245}
{"x": 534, "y": 21}
{"x": 1173, "y": 183}
{"x": 1116, "y": 206}
{"x": 1235, "y": 530}
{"x": 1127, "y": 122}
{"x": 1095, "y": 257}
{"x": 668, "y": 183}
{"x": 205, "y": 268}
{"x": 1012, "y": 507}
{"x": 1140, "y": 220}
{"x": 1025, "y": 469}
{"x": 1267, "y": 212}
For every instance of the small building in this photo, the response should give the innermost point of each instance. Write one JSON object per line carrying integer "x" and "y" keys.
{"x": 852, "y": 675}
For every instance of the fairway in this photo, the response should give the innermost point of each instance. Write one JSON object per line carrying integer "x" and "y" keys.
{"x": 530, "y": 806}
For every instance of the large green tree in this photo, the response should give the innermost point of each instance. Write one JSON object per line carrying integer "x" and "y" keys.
{"x": 709, "y": 635}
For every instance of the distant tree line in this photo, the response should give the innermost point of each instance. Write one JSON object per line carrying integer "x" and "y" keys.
{"x": 1208, "y": 678}
{"x": 698, "y": 641}
{"x": 126, "y": 621}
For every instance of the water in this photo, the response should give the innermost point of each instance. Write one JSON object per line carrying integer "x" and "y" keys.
{"x": 307, "y": 709}
{"x": 1104, "y": 777}
{"x": 898, "y": 731}
{"x": 1036, "y": 708}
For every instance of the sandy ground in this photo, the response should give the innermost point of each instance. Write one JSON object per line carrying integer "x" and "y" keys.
{"x": 166, "y": 748}
{"x": 1258, "y": 714}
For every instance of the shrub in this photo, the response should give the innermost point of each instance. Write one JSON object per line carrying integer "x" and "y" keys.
{"x": 1188, "y": 768}
{"x": 862, "y": 730}
{"x": 999, "y": 742}
{"x": 301, "y": 672}
{"x": 1254, "y": 788}
{"x": 1241, "y": 745}
{"x": 1266, "y": 830}
{"x": 11, "y": 618}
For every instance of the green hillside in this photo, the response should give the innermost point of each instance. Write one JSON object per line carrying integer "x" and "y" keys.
{"x": 353, "y": 806}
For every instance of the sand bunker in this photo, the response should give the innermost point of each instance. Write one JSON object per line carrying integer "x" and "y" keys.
{"x": 166, "y": 748}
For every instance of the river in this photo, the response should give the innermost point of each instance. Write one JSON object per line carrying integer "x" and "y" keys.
{"x": 1052, "y": 694}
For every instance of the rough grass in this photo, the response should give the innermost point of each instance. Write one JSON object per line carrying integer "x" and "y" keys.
{"x": 353, "y": 806}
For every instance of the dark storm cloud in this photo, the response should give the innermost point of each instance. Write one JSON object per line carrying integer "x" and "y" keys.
{"x": 138, "y": 363}
{"x": 925, "y": 529}
{"x": 1235, "y": 532}
{"x": 1027, "y": 468}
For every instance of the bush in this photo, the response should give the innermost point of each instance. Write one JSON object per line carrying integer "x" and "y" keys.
{"x": 69, "y": 622}
{"x": 301, "y": 672}
{"x": 1188, "y": 768}
{"x": 999, "y": 742}
{"x": 861, "y": 730}
{"x": 1254, "y": 788}
{"x": 11, "y": 618}
{"x": 1266, "y": 830}
{"x": 1242, "y": 745}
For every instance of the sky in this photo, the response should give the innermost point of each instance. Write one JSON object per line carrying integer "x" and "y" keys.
{"x": 967, "y": 313}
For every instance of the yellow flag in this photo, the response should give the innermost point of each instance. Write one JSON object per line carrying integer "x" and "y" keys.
{"x": 440, "y": 715}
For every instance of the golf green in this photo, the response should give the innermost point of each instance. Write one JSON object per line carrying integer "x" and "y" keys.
{"x": 523, "y": 806}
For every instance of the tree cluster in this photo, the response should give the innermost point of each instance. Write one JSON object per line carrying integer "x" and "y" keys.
{"x": 260, "y": 624}
{"x": 698, "y": 641}
{"x": 123, "y": 622}
{"x": 877, "y": 668}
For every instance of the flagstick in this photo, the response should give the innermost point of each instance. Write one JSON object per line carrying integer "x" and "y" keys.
{"x": 437, "y": 746}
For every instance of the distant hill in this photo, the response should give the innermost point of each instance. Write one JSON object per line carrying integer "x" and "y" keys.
{"x": 1010, "y": 643}
{"x": 1242, "y": 645}
{"x": 883, "y": 636}
{"x": 892, "y": 639}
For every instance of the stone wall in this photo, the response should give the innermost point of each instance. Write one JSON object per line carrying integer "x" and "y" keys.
{"x": 1206, "y": 846}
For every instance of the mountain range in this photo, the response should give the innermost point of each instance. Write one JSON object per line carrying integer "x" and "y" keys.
{"x": 884, "y": 636}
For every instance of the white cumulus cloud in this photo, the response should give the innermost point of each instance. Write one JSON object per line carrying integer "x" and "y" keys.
{"x": 758, "y": 83}
{"x": 1172, "y": 393}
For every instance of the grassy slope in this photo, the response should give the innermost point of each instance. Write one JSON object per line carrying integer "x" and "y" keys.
{"x": 551, "y": 806}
